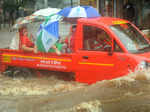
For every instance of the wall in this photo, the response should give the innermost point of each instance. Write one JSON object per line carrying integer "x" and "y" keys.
{"x": 89, "y": 2}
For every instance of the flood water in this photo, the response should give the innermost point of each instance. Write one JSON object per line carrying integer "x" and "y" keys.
{"x": 55, "y": 92}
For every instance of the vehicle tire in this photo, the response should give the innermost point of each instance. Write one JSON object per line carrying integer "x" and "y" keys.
{"x": 8, "y": 72}
{"x": 22, "y": 72}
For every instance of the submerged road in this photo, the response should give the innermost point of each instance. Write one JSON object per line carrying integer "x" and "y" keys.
{"x": 129, "y": 97}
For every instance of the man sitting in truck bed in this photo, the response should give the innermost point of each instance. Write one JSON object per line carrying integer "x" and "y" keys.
{"x": 26, "y": 41}
{"x": 22, "y": 41}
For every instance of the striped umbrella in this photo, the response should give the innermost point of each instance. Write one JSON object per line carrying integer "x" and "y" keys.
{"x": 26, "y": 20}
{"x": 48, "y": 33}
{"x": 79, "y": 11}
{"x": 39, "y": 15}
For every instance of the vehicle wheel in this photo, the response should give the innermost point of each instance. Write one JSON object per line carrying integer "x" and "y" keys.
{"x": 22, "y": 72}
{"x": 8, "y": 72}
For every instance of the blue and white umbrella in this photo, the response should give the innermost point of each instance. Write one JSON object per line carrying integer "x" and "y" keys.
{"x": 48, "y": 33}
{"x": 79, "y": 11}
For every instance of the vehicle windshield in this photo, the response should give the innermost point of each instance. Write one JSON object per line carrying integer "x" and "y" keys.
{"x": 133, "y": 40}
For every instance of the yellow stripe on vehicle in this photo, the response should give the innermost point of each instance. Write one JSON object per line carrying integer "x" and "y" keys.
{"x": 97, "y": 64}
{"x": 6, "y": 59}
{"x": 42, "y": 58}
{"x": 119, "y": 22}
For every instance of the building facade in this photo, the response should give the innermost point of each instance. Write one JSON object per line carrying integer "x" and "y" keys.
{"x": 136, "y": 11}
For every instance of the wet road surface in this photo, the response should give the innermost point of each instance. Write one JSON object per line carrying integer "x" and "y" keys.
{"x": 129, "y": 94}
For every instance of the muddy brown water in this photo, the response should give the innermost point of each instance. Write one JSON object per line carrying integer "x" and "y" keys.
{"x": 54, "y": 93}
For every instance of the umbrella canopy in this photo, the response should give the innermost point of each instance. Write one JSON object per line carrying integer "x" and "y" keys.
{"x": 25, "y": 20}
{"x": 79, "y": 11}
{"x": 48, "y": 33}
{"x": 39, "y": 15}
{"x": 47, "y": 11}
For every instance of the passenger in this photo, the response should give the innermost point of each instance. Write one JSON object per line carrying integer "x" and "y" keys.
{"x": 26, "y": 42}
{"x": 56, "y": 48}
{"x": 70, "y": 39}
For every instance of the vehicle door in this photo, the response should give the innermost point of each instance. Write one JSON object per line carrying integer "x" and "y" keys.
{"x": 99, "y": 60}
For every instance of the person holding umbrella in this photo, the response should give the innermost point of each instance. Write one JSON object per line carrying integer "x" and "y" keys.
{"x": 48, "y": 35}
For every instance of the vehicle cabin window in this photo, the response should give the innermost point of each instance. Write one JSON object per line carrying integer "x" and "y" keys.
{"x": 95, "y": 39}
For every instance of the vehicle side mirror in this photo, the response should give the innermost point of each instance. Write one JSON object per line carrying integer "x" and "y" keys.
{"x": 108, "y": 48}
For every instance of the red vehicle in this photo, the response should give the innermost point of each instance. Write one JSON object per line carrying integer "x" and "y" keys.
{"x": 122, "y": 49}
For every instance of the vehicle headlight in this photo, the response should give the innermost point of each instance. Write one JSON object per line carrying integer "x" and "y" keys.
{"x": 142, "y": 65}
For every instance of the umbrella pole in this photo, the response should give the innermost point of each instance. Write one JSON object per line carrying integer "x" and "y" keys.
{"x": 71, "y": 3}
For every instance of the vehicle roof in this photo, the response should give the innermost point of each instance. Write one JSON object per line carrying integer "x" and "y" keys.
{"x": 103, "y": 20}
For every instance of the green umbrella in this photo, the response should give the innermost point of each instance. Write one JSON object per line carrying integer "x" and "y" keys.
{"x": 48, "y": 34}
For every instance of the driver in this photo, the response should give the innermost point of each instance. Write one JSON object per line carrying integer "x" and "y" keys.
{"x": 101, "y": 41}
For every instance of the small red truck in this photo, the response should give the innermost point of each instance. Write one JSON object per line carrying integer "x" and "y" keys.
{"x": 121, "y": 49}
